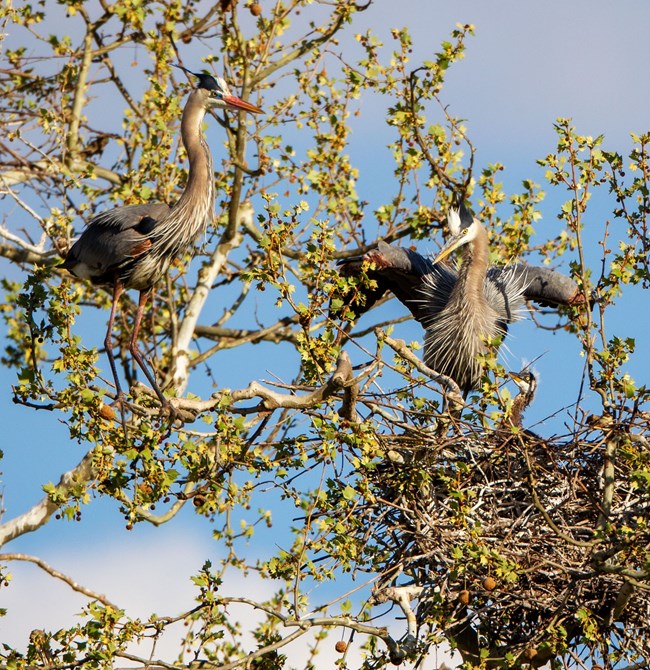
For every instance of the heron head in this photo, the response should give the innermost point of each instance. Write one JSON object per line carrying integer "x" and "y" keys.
{"x": 218, "y": 95}
{"x": 463, "y": 227}
{"x": 526, "y": 380}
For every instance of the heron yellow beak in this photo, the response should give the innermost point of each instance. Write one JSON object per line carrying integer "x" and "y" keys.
{"x": 516, "y": 377}
{"x": 451, "y": 246}
{"x": 237, "y": 103}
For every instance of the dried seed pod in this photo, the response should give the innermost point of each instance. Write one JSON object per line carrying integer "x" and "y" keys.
{"x": 256, "y": 9}
{"x": 464, "y": 597}
{"x": 489, "y": 583}
{"x": 341, "y": 646}
{"x": 530, "y": 653}
{"x": 106, "y": 412}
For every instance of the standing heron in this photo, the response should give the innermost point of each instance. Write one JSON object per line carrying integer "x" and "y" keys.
{"x": 463, "y": 310}
{"x": 133, "y": 246}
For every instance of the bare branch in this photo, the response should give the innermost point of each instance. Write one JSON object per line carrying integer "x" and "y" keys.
{"x": 271, "y": 400}
{"x": 53, "y": 167}
{"x": 75, "y": 586}
{"x": 400, "y": 348}
{"x": 402, "y": 596}
{"x": 208, "y": 274}
{"x": 263, "y": 73}
{"x": 40, "y": 513}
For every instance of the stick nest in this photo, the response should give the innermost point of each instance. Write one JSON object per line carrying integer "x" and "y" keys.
{"x": 524, "y": 545}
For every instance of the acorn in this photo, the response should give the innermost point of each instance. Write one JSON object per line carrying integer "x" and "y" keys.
{"x": 489, "y": 583}
{"x": 341, "y": 646}
{"x": 256, "y": 9}
{"x": 463, "y": 597}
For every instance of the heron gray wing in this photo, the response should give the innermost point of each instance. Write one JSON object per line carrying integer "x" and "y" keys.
{"x": 546, "y": 286}
{"x": 420, "y": 285}
{"x": 406, "y": 261}
{"x": 507, "y": 287}
{"x": 112, "y": 240}
{"x": 128, "y": 216}
{"x": 405, "y": 273}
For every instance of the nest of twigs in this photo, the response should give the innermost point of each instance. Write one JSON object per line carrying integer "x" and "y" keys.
{"x": 522, "y": 544}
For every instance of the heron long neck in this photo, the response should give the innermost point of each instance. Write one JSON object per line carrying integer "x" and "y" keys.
{"x": 199, "y": 189}
{"x": 471, "y": 276}
{"x": 519, "y": 404}
{"x": 190, "y": 216}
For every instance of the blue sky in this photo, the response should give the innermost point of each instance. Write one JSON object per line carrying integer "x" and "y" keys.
{"x": 528, "y": 64}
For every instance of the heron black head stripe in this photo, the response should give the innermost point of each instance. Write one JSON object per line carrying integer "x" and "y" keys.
{"x": 206, "y": 81}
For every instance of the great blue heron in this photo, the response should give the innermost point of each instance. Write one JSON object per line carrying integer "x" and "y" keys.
{"x": 132, "y": 246}
{"x": 464, "y": 309}
{"x": 526, "y": 381}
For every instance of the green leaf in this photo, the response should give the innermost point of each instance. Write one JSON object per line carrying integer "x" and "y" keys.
{"x": 349, "y": 493}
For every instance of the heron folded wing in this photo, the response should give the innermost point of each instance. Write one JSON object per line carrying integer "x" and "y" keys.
{"x": 112, "y": 240}
{"x": 130, "y": 216}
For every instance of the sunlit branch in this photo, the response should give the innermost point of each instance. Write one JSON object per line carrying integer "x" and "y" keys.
{"x": 306, "y": 45}
{"x": 208, "y": 274}
{"x": 271, "y": 400}
{"x": 280, "y": 331}
{"x": 400, "y": 348}
{"x": 52, "y": 167}
{"x": 79, "y": 97}
{"x": 75, "y": 586}
{"x": 40, "y": 513}
{"x": 441, "y": 173}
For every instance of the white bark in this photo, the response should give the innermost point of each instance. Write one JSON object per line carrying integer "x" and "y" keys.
{"x": 53, "y": 167}
{"x": 207, "y": 276}
{"x": 40, "y": 513}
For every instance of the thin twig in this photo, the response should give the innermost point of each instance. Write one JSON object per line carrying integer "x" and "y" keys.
{"x": 75, "y": 586}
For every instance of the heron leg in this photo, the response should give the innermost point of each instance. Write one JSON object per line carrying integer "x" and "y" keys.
{"x": 118, "y": 287}
{"x": 135, "y": 352}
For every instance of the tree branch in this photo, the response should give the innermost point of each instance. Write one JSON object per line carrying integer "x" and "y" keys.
{"x": 40, "y": 513}
{"x": 341, "y": 378}
{"x": 305, "y": 47}
{"x": 79, "y": 99}
{"x": 207, "y": 275}
{"x": 53, "y": 167}
{"x": 400, "y": 348}
{"x": 59, "y": 575}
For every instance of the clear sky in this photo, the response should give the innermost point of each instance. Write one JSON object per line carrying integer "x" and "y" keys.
{"x": 528, "y": 64}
